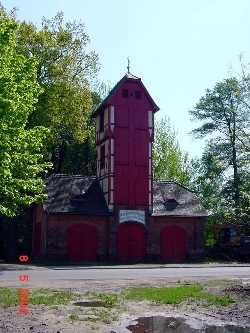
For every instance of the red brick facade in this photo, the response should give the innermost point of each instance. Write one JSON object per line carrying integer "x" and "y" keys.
{"x": 54, "y": 231}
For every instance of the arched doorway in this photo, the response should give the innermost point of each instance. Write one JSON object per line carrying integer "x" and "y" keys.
{"x": 131, "y": 243}
{"x": 82, "y": 243}
{"x": 173, "y": 243}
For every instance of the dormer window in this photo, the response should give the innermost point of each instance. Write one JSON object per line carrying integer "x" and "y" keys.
{"x": 78, "y": 198}
{"x": 171, "y": 204}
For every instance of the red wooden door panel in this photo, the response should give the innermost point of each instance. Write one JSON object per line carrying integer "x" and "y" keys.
{"x": 121, "y": 117}
{"x": 131, "y": 243}
{"x": 82, "y": 243}
{"x": 140, "y": 119}
{"x": 37, "y": 240}
{"x": 121, "y": 184}
{"x": 173, "y": 243}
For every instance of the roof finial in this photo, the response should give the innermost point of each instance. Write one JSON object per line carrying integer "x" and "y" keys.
{"x": 128, "y": 67}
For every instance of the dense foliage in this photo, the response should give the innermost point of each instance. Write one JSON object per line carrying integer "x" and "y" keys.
{"x": 169, "y": 161}
{"x": 221, "y": 176}
{"x": 21, "y": 161}
{"x": 64, "y": 72}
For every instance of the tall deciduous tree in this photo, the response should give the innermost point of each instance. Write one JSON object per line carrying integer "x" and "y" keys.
{"x": 169, "y": 161}
{"x": 64, "y": 71}
{"x": 207, "y": 182}
{"x": 225, "y": 118}
{"x": 21, "y": 161}
{"x": 80, "y": 158}
{"x": 20, "y": 148}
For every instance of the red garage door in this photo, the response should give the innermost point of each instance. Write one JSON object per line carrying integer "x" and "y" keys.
{"x": 173, "y": 243}
{"x": 131, "y": 243}
{"x": 82, "y": 243}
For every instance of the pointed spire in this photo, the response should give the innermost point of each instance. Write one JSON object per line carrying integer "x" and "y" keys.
{"x": 128, "y": 67}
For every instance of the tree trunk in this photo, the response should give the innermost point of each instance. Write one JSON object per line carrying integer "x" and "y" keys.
{"x": 13, "y": 248}
{"x": 236, "y": 193}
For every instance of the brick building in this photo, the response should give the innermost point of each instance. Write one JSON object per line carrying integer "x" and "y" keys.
{"x": 121, "y": 213}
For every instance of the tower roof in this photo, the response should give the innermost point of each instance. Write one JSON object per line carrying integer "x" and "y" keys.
{"x": 130, "y": 78}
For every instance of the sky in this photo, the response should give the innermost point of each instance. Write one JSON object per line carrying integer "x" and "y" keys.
{"x": 179, "y": 48}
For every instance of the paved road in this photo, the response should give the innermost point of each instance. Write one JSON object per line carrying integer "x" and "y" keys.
{"x": 60, "y": 273}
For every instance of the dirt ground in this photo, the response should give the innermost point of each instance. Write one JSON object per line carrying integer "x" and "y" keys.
{"x": 41, "y": 319}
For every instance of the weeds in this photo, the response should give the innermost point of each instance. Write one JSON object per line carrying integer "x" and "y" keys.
{"x": 50, "y": 297}
{"x": 175, "y": 295}
{"x": 94, "y": 328}
{"x": 8, "y": 297}
{"x": 110, "y": 300}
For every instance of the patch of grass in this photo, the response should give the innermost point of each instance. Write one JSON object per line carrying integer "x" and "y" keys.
{"x": 94, "y": 328}
{"x": 50, "y": 297}
{"x": 8, "y": 297}
{"x": 163, "y": 295}
{"x": 174, "y": 295}
{"x": 54, "y": 307}
{"x": 73, "y": 317}
{"x": 110, "y": 300}
{"x": 104, "y": 315}
{"x": 218, "y": 300}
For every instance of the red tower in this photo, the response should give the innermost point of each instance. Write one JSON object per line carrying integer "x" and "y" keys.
{"x": 124, "y": 136}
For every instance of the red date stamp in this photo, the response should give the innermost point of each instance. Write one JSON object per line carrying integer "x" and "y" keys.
{"x": 23, "y": 293}
{"x": 23, "y": 301}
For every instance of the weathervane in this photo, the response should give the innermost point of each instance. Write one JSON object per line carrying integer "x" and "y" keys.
{"x": 128, "y": 67}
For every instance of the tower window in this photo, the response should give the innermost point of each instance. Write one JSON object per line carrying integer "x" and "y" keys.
{"x": 102, "y": 157}
{"x": 125, "y": 93}
{"x": 137, "y": 94}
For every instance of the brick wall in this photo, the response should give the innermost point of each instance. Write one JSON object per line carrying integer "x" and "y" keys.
{"x": 194, "y": 232}
{"x": 54, "y": 233}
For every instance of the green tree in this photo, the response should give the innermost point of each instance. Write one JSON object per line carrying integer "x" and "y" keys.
{"x": 224, "y": 119}
{"x": 64, "y": 71}
{"x": 169, "y": 161}
{"x": 21, "y": 160}
{"x": 207, "y": 183}
{"x": 80, "y": 158}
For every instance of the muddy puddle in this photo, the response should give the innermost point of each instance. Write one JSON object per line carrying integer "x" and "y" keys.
{"x": 160, "y": 324}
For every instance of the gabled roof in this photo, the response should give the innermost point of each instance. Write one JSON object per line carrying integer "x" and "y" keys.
{"x": 74, "y": 194}
{"x": 166, "y": 192}
{"x": 127, "y": 77}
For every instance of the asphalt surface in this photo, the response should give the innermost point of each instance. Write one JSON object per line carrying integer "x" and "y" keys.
{"x": 123, "y": 272}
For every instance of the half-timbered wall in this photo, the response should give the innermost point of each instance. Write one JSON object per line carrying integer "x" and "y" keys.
{"x": 124, "y": 136}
